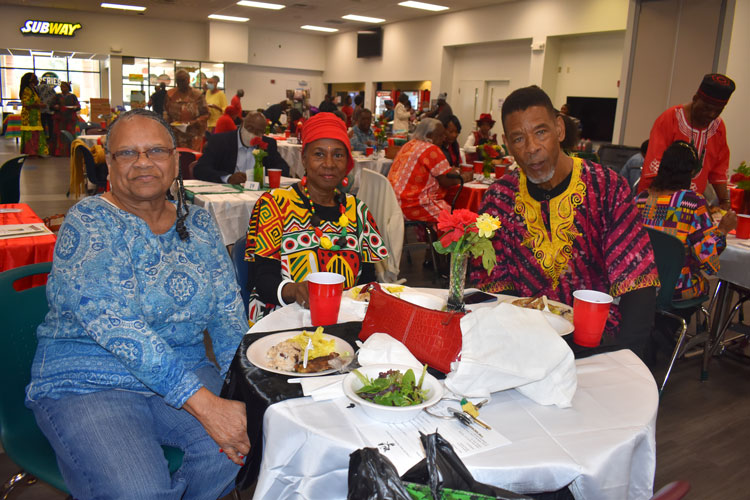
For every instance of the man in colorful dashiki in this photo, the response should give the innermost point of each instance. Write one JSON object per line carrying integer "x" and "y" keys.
{"x": 567, "y": 224}
{"x": 697, "y": 123}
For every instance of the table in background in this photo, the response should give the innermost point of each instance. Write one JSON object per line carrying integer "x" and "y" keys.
{"x": 90, "y": 140}
{"x": 734, "y": 275}
{"x": 470, "y": 197}
{"x": 17, "y": 252}
{"x": 12, "y": 124}
{"x": 602, "y": 447}
{"x": 231, "y": 211}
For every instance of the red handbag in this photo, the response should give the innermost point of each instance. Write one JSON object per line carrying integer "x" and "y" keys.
{"x": 433, "y": 337}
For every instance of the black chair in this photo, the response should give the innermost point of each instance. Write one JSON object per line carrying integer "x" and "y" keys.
{"x": 10, "y": 180}
{"x": 615, "y": 156}
{"x": 242, "y": 270}
{"x": 669, "y": 253}
{"x": 95, "y": 172}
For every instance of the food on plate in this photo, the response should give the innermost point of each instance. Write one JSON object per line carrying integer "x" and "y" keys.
{"x": 357, "y": 294}
{"x": 538, "y": 304}
{"x": 289, "y": 355}
{"x": 392, "y": 388}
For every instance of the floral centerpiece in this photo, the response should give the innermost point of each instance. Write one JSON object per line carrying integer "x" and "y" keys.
{"x": 741, "y": 179}
{"x": 381, "y": 135}
{"x": 489, "y": 152}
{"x": 259, "y": 153}
{"x": 465, "y": 233}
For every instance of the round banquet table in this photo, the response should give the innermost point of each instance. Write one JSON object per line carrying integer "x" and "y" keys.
{"x": 17, "y": 252}
{"x": 603, "y": 447}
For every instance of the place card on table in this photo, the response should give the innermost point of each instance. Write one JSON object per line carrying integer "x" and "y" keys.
{"x": 10, "y": 231}
{"x": 213, "y": 189}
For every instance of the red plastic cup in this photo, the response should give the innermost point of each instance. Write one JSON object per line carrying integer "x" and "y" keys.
{"x": 743, "y": 226}
{"x": 274, "y": 178}
{"x": 478, "y": 167}
{"x": 325, "y": 297}
{"x": 590, "y": 311}
{"x": 499, "y": 171}
{"x": 369, "y": 151}
{"x": 287, "y": 133}
{"x": 465, "y": 167}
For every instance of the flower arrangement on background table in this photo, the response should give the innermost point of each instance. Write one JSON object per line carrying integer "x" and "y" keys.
{"x": 465, "y": 233}
{"x": 259, "y": 153}
{"x": 489, "y": 152}
{"x": 741, "y": 179}
{"x": 381, "y": 135}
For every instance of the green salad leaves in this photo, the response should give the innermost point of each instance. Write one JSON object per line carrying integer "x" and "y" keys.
{"x": 392, "y": 388}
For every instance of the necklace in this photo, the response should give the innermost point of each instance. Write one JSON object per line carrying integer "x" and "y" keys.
{"x": 315, "y": 220}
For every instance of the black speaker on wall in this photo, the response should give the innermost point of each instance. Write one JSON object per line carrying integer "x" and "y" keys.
{"x": 370, "y": 43}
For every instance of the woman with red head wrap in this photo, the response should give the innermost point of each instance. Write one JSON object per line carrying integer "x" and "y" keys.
{"x": 225, "y": 123}
{"x": 311, "y": 226}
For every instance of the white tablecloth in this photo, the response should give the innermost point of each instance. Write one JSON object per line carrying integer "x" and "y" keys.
{"x": 734, "y": 262}
{"x": 603, "y": 447}
{"x": 90, "y": 140}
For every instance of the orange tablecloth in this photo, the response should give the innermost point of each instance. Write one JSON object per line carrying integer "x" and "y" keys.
{"x": 17, "y": 252}
{"x": 470, "y": 197}
{"x": 13, "y": 123}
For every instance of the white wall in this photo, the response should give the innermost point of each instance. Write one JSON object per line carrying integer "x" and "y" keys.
{"x": 735, "y": 114}
{"x": 227, "y": 42}
{"x": 287, "y": 50}
{"x": 260, "y": 92}
{"x": 493, "y": 61}
{"x": 589, "y": 65}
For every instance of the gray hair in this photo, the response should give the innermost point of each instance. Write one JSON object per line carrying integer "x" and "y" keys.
{"x": 129, "y": 115}
{"x": 425, "y": 128}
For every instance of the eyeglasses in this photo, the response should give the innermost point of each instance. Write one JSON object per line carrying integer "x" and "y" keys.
{"x": 129, "y": 156}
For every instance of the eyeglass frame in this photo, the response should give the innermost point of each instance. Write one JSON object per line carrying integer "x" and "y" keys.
{"x": 113, "y": 155}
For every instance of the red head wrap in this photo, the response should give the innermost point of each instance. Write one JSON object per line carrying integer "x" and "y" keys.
{"x": 327, "y": 126}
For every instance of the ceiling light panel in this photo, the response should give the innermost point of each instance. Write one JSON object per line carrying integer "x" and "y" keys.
{"x": 318, "y": 28}
{"x": 261, "y": 5}
{"x": 363, "y": 19}
{"x": 423, "y": 6}
{"x": 120, "y": 6}
{"x": 219, "y": 17}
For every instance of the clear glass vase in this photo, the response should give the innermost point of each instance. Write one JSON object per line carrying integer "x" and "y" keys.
{"x": 456, "y": 281}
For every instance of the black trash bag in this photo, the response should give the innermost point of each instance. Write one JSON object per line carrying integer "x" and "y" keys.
{"x": 373, "y": 477}
{"x": 443, "y": 469}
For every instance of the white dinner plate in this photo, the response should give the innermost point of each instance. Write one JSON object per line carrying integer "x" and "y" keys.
{"x": 559, "y": 323}
{"x": 256, "y": 353}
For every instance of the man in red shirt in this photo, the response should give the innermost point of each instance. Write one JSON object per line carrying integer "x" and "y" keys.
{"x": 237, "y": 100}
{"x": 697, "y": 123}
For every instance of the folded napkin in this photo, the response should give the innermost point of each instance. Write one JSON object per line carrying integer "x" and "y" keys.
{"x": 378, "y": 349}
{"x": 508, "y": 347}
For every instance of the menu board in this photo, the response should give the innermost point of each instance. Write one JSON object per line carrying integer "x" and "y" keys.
{"x": 98, "y": 107}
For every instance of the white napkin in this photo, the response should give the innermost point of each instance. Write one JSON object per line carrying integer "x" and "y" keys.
{"x": 511, "y": 347}
{"x": 378, "y": 348}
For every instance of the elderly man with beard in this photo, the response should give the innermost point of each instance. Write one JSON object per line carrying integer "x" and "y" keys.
{"x": 567, "y": 225}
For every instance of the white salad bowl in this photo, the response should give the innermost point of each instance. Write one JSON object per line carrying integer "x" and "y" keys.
{"x": 391, "y": 414}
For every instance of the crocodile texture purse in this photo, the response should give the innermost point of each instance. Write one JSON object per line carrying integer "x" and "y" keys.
{"x": 433, "y": 337}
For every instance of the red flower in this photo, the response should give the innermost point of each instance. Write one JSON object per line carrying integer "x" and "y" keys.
{"x": 376, "y": 131}
{"x": 454, "y": 224}
{"x": 739, "y": 178}
{"x": 259, "y": 143}
{"x": 491, "y": 151}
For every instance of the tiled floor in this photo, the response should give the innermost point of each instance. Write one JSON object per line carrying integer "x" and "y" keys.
{"x": 702, "y": 430}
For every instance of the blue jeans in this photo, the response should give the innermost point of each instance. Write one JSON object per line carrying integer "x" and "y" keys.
{"x": 108, "y": 445}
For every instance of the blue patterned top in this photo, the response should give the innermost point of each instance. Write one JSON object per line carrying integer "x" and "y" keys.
{"x": 128, "y": 307}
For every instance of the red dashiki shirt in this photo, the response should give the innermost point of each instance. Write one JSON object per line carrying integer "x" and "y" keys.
{"x": 684, "y": 214}
{"x": 587, "y": 237}
{"x": 711, "y": 144}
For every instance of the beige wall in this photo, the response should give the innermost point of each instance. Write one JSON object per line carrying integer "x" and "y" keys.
{"x": 735, "y": 114}
{"x": 261, "y": 93}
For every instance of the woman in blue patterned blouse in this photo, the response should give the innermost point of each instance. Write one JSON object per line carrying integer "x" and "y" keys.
{"x": 121, "y": 367}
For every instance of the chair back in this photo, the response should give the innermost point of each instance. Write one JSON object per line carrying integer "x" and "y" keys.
{"x": 68, "y": 137}
{"x": 669, "y": 254}
{"x": 187, "y": 156}
{"x": 241, "y": 270}
{"x": 615, "y": 156}
{"x": 377, "y": 193}
{"x": 92, "y": 168}
{"x": 10, "y": 180}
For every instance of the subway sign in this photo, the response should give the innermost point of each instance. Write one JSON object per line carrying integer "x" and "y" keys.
{"x": 49, "y": 28}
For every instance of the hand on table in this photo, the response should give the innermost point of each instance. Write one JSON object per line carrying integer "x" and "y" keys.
{"x": 224, "y": 420}
{"x": 467, "y": 176}
{"x": 728, "y": 222}
{"x": 296, "y": 292}
{"x": 237, "y": 178}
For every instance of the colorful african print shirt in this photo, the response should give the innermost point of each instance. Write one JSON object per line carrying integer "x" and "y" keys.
{"x": 685, "y": 215}
{"x": 413, "y": 177}
{"x": 587, "y": 237}
{"x": 281, "y": 228}
{"x": 711, "y": 144}
{"x": 128, "y": 307}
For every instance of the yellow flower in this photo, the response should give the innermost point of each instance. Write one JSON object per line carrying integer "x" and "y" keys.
{"x": 487, "y": 225}
{"x": 326, "y": 243}
{"x": 256, "y": 152}
{"x": 343, "y": 220}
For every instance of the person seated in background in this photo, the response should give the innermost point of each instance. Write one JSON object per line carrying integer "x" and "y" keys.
{"x": 226, "y": 122}
{"x": 567, "y": 225}
{"x": 479, "y": 137}
{"x": 442, "y": 110}
{"x": 327, "y": 105}
{"x": 450, "y": 145}
{"x": 572, "y": 133}
{"x": 347, "y": 109}
{"x": 669, "y": 205}
{"x": 295, "y": 120}
{"x": 362, "y": 134}
{"x": 632, "y": 168}
{"x": 121, "y": 366}
{"x": 229, "y": 157}
{"x": 311, "y": 226}
{"x": 419, "y": 173}
{"x": 274, "y": 112}
{"x": 359, "y": 105}
{"x": 388, "y": 113}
